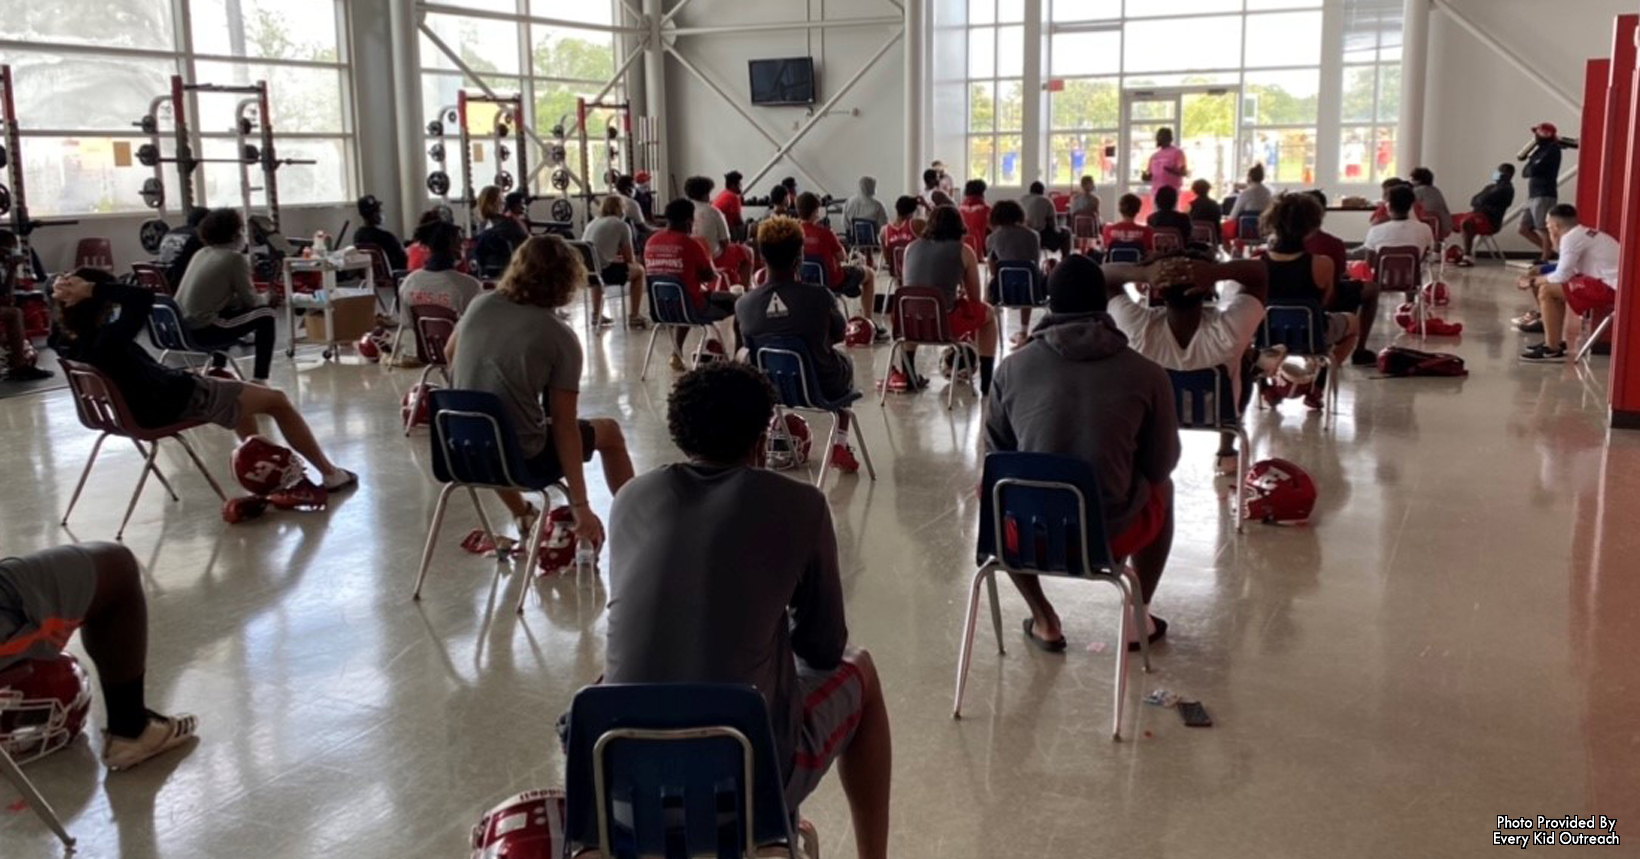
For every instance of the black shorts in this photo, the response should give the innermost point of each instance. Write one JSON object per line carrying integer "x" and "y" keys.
{"x": 545, "y": 464}
{"x": 853, "y": 277}
{"x": 1347, "y": 297}
{"x": 614, "y": 273}
{"x": 719, "y": 305}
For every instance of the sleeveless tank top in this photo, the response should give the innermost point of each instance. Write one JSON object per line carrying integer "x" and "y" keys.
{"x": 935, "y": 263}
{"x": 1293, "y": 281}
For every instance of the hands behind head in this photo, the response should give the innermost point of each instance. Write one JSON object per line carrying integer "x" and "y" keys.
{"x": 70, "y": 290}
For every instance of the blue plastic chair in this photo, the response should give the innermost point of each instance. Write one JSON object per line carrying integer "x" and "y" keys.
{"x": 168, "y": 334}
{"x": 670, "y": 308}
{"x": 790, "y": 368}
{"x": 674, "y": 770}
{"x": 1302, "y": 328}
{"x": 1205, "y": 400}
{"x": 1124, "y": 254}
{"x": 1248, "y": 234}
{"x": 863, "y": 234}
{"x": 812, "y": 271}
{"x": 475, "y": 447}
{"x": 1041, "y": 515}
{"x": 1018, "y": 284}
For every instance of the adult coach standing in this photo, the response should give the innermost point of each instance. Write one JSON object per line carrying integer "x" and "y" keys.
{"x": 1542, "y": 175}
{"x": 1167, "y": 167}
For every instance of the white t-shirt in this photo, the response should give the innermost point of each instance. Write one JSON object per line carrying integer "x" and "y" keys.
{"x": 447, "y": 288}
{"x": 609, "y": 237}
{"x": 711, "y": 226}
{"x": 1587, "y": 252}
{"x": 1226, "y": 330}
{"x": 1395, "y": 234}
{"x": 631, "y": 210}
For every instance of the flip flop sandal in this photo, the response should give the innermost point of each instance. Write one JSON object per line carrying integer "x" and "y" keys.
{"x": 1158, "y": 635}
{"x": 1055, "y": 646}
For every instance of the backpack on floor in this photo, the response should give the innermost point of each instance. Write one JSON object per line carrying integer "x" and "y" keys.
{"x": 1402, "y": 361}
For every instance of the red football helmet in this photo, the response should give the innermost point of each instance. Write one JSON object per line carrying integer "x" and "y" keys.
{"x": 1405, "y": 317}
{"x": 1278, "y": 491}
{"x": 859, "y": 332}
{"x": 43, "y": 706}
{"x": 558, "y": 543}
{"x": 1437, "y": 294}
{"x": 527, "y": 826}
{"x": 1454, "y": 253}
{"x": 304, "y": 494}
{"x": 263, "y": 467}
{"x": 236, "y": 510}
{"x": 789, "y": 449}
{"x": 374, "y": 345}
{"x": 422, "y": 406}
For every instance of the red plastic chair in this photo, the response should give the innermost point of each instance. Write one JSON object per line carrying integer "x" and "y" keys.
{"x": 151, "y": 277}
{"x": 918, "y": 317}
{"x": 102, "y": 408}
{"x": 1166, "y": 241}
{"x": 1204, "y": 233}
{"x": 1401, "y": 267}
{"x": 94, "y": 252}
{"x": 1085, "y": 231}
{"x": 433, "y": 326}
{"x": 381, "y": 274}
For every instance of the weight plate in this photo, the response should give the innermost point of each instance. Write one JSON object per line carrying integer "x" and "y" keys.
{"x": 153, "y": 234}
{"x": 435, "y": 129}
{"x": 562, "y": 210}
{"x": 502, "y": 153}
{"x": 5, "y": 200}
{"x": 611, "y": 177}
{"x": 438, "y": 182}
{"x": 148, "y": 155}
{"x": 3, "y": 161}
{"x": 501, "y": 129}
{"x": 503, "y": 180}
{"x": 451, "y": 116}
{"x": 560, "y": 179}
{"x": 148, "y": 124}
{"x": 153, "y": 193}
{"x": 436, "y": 152}
{"x": 556, "y": 154}
{"x": 251, "y": 154}
{"x": 612, "y": 132}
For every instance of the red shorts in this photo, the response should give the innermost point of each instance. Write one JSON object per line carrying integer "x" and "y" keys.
{"x": 1584, "y": 294}
{"x": 966, "y": 318}
{"x": 1358, "y": 269}
{"x": 1483, "y": 227}
{"x": 730, "y": 261}
{"x": 1228, "y": 230}
{"x": 1144, "y": 528}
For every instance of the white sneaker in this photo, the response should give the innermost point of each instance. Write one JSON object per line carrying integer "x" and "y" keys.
{"x": 162, "y": 734}
{"x": 340, "y": 479}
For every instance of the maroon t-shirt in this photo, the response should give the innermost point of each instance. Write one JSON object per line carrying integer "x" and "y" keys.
{"x": 1324, "y": 244}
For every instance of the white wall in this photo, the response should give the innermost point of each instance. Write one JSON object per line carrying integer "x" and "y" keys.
{"x": 708, "y": 137}
{"x": 1479, "y": 106}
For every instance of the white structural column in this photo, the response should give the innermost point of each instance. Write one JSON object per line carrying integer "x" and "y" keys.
{"x": 1034, "y": 121}
{"x": 1329, "y": 107}
{"x": 1409, "y": 139}
{"x": 914, "y": 107}
{"x": 404, "y": 22}
{"x": 654, "y": 77}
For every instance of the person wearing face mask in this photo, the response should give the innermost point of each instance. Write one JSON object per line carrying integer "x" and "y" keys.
{"x": 1199, "y": 325}
{"x": 1542, "y": 174}
{"x": 1486, "y": 211}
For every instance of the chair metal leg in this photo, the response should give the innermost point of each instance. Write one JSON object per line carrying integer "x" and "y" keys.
{"x": 894, "y": 349}
{"x": 1594, "y": 337}
{"x": 200, "y": 464}
{"x": 142, "y": 480}
{"x": 650, "y": 352}
{"x": 1122, "y": 658}
{"x": 398, "y": 340}
{"x": 416, "y": 395}
{"x": 825, "y": 462}
{"x": 535, "y": 547}
{"x": 965, "y": 655}
{"x": 31, "y": 795}
{"x": 75, "y": 498}
{"x": 996, "y": 612}
{"x": 432, "y": 538}
{"x": 854, "y": 432}
{"x": 483, "y": 519}
{"x": 1133, "y": 600}
{"x": 158, "y": 475}
{"x": 1243, "y": 455}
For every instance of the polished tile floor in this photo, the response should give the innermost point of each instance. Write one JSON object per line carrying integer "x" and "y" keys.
{"x": 1451, "y": 640}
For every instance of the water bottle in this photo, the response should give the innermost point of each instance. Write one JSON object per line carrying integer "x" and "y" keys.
{"x": 586, "y": 563}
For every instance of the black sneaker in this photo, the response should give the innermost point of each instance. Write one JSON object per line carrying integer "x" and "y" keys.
{"x": 1542, "y": 352}
{"x": 1535, "y": 326}
{"x": 1363, "y": 357}
{"x": 28, "y": 374}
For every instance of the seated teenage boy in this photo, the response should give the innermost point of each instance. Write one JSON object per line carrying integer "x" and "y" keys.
{"x": 821, "y": 244}
{"x": 1128, "y": 233}
{"x": 1077, "y": 390}
{"x": 95, "y": 588}
{"x": 674, "y": 253}
{"x": 786, "y": 307}
{"x": 723, "y": 572}
{"x": 1582, "y": 280}
{"x": 219, "y": 303}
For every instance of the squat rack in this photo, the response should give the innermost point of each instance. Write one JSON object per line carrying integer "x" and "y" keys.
{"x": 14, "y": 196}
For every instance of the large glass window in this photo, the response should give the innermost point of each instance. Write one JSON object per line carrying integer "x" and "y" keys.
{"x": 996, "y": 91}
{"x": 86, "y": 70}
{"x": 550, "y": 66}
{"x": 1370, "y": 104}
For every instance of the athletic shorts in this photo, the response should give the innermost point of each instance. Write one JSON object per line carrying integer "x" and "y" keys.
{"x": 614, "y": 273}
{"x": 853, "y": 277}
{"x": 1536, "y": 214}
{"x": 545, "y": 463}
{"x": 1338, "y": 327}
{"x": 966, "y": 318}
{"x": 1584, "y": 294}
{"x": 43, "y": 599}
{"x": 833, "y": 702}
{"x": 214, "y": 401}
{"x": 1145, "y": 527}
{"x": 1483, "y": 224}
{"x": 729, "y": 262}
{"x": 1347, "y": 296}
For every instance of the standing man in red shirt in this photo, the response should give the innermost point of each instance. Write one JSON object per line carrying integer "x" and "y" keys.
{"x": 976, "y": 216}
{"x": 728, "y": 202}
{"x": 820, "y": 244}
{"x": 673, "y": 253}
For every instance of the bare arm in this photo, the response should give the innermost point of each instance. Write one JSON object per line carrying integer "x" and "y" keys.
{"x": 1321, "y": 270}
{"x": 1119, "y": 274}
{"x": 970, "y": 274}
{"x": 566, "y": 440}
{"x": 450, "y": 349}
{"x": 1253, "y": 276}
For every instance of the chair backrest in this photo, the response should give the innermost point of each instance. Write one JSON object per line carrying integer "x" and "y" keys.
{"x": 151, "y": 277}
{"x": 918, "y": 314}
{"x": 786, "y": 361}
{"x": 812, "y": 270}
{"x": 381, "y": 272}
{"x": 94, "y": 252}
{"x": 1167, "y": 241}
{"x": 1399, "y": 267}
{"x": 1204, "y": 399}
{"x": 1085, "y": 226}
{"x": 434, "y": 325}
{"x": 896, "y": 259}
{"x": 1434, "y": 225}
{"x": 1300, "y": 327}
{"x": 1020, "y": 284}
{"x": 669, "y": 302}
{"x": 1043, "y": 513}
{"x": 1061, "y": 201}
{"x": 675, "y": 770}
{"x": 1124, "y": 253}
{"x": 863, "y": 232}
{"x": 1247, "y": 229}
{"x": 100, "y": 405}
{"x": 165, "y": 328}
{"x": 1204, "y": 233}
{"x": 474, "y": 442}
{"x": 589, "y": 261}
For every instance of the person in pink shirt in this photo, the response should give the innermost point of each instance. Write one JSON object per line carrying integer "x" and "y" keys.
{"x": 1167, "y": 164}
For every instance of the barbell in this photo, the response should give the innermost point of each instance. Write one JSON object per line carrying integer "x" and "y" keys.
{"x": 153, "y": 193}
{"x": 148, "y": 155}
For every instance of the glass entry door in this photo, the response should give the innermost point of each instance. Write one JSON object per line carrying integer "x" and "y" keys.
{"x": 1203, "y": 122}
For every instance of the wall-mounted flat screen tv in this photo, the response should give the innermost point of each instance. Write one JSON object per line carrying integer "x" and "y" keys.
{"x": 788, "y": 81}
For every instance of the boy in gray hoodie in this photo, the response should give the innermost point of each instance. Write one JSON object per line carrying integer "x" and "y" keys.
{"x": 864, "y": 206}
{"x": 1076, "y": 389}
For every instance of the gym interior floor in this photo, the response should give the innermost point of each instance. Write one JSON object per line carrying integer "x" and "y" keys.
{"x": 1451, "y": 639}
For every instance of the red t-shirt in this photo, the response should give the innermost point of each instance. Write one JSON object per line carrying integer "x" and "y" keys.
{"x": 670, "y": 253}
{"x": 1129, "y": 234}
{"x": 976, "y": 217}
{"x": 822, "y": 244}
{"x": 1324, "y": 244}
{"x": 728, "y": 202}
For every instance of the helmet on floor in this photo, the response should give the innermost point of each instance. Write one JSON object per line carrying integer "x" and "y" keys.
{"x": 374, "y": 345}
{"x": 423, "y": 405}
{"x": 1276, "y": 490}
{"x": 1437, "y": 294}
{"x": 1454, "y": 253}
{"x": 859, "y": 332}
{"x": 43, "y": 706}
{"x": 556, "y": 552}
{"x": 1405, "y": 317}
{"x": 527, "y": 826}
{"x": 789, "y": 449}
{"x": 263, "y": 467}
